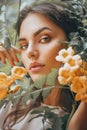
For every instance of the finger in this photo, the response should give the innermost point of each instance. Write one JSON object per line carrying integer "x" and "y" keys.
{"x": 4, "y": 53}
{"x": 16, "y": 50}
{"x": 2, "y": 49}
{"x": 3, "y": 58}
{"x": 9, "y": 57}
{"x": 14, "y": 55}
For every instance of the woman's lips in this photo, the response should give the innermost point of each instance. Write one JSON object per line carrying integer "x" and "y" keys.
{"x": 35, "y": 67}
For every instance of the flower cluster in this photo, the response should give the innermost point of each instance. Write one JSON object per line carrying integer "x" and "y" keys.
{"x": 73, "y": 73}
{"x": 6, "y": 82}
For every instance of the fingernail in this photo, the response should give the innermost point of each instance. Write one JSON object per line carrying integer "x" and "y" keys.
{"x": 17, "y": 60}
{"x": 12, "y": 64}
{"x": 4, "y": 62}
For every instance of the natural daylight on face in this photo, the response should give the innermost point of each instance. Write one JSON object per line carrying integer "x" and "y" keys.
{"x": 38, "y": 41}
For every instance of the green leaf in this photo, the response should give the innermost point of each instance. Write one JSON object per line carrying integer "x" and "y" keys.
{"x": 3, "y": 102}
{"x": 35, "y": 94}
{"x": 7, "y": 43}
{"x": 51, "y": 78}
{"x": 64, "y": 120}
{"x": 40, "y": 82}
{"x": 26, "y": 98}
{"x": 23, "y": 83}
{"x": 14, "y": 99}
{"x": 46, "y": 92}
{"x": 57, "y": 124}
{"x": 37, "y": 110}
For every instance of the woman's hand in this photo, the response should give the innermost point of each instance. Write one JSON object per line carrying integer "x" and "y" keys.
{"x": 79, "y": 119}
{"x": 9, "y": 54}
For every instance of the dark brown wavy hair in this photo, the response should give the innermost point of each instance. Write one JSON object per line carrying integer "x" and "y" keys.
{"x": 57, "y": 13}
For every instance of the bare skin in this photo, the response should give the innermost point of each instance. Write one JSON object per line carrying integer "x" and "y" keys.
{"x": 10, "y": 55}
{"x": 79, "y": 119}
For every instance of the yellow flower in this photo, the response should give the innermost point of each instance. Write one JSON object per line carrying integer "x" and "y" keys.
{"x": 82, "y": 95}
{"x": 73, "y": 73}
{"x": 64, "y": 53}
{"x": 15, "y": 89}
{"x": 78, "y": 83}
{"x": 73, "y": 62}
{"x": 79, "y": 86}
{"x": 3, "y": 93}
{"x": 3, "y": 79}
{"x": 3, "y": 87}
{"x": 84, "y": 65}
{"x": 79, "y": 72}
{"x": 65, "y": 75}
{"x": 19, "y": 71}
{"x": 7, "y": 81}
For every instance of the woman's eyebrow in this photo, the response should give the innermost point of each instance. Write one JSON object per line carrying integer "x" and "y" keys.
{"x": 36, "y": 33}
{"x": 40, "y": 30}
{"x": 21, "y": 39}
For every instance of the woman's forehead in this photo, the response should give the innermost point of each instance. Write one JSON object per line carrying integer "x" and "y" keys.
{"x": 37, "y": 21}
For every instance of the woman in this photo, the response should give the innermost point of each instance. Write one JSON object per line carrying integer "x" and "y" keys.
{"x": 41, "y": 29}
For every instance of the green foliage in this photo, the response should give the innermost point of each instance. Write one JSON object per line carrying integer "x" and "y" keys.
{"x": 46, "y": 92}
{"x": 78, "y": 40}
{"x": 30, "y": 90}
{"x": 51, "y": 77}
{"x": 48, "y": 116}
{"x": 7, "y": 42}
{"x": 40, "y": 82}
{"x": 64, "y": 120}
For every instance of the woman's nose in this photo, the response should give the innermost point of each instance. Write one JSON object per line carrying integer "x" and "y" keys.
{"x": 32, "y": 52}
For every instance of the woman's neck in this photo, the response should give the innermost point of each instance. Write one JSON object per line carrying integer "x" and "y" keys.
{"x": 53, "y": 98}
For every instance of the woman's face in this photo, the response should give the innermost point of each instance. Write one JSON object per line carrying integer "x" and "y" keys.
{"x": 39, "y": 41}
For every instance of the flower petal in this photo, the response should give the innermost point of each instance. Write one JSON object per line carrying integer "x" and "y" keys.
{"x": 78, "y": 84}
{"x": 19, "y": 71}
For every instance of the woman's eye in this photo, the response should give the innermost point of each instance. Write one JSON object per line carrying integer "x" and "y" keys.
{"x": 24, "y": 46}
{"x": 45, "y": 39}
